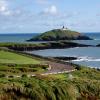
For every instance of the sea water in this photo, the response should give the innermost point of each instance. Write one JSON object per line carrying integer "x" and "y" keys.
{"x": 89, "y": 56}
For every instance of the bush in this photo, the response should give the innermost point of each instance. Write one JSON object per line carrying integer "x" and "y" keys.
{"x": 78, "y": 68}
{"x": 2, "y": 75}
{"x": 11, "y": 76}
{"x": 24, "y": 75}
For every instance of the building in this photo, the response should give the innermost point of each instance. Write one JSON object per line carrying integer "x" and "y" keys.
{"x": 63, "y": 28}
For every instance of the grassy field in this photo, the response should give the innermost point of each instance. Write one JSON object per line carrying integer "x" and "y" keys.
{"x": 9, "y": 57}
{"x": 18, "y": 64}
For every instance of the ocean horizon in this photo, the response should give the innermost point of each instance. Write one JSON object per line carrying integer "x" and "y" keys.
{"x": 21, "y": 37}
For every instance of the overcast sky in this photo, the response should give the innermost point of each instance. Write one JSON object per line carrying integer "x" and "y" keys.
{"x": 34, "y": 16}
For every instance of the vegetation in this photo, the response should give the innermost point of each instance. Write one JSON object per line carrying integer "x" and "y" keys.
{"x": 59, "y": 34}
{"x": 15, "y": 69}
{"x": 39, "y": 46}
{"x": 14, "y": 64}
{"x": 83, "y": 84}
{"x": 13, "y": 58}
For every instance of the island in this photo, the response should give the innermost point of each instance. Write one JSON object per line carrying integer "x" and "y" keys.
{"x": 60, "y": 34}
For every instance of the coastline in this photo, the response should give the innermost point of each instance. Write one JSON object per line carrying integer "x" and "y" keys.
{"x": 41, "y": 46}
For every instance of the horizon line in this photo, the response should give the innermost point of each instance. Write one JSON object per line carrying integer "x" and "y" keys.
{"x": 36, "y": 32}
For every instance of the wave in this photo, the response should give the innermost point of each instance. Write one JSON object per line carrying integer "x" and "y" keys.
{"x": 96, "y": 39}
{"x": 86, "y": 59}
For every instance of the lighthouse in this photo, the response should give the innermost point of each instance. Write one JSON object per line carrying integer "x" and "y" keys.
{"x": 63, "y": 28}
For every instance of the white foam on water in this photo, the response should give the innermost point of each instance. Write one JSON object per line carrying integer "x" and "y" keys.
{"x": 86, "y": 58}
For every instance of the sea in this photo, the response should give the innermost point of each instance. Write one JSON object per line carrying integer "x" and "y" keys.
{"x": 87, "y": 56}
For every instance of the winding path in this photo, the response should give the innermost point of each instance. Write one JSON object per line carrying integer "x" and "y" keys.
{"x": 54, "y": 68}
{"x": 59, "y": 67}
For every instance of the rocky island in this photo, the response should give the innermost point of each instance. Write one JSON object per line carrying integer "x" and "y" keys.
{"x": 60, "y": 34}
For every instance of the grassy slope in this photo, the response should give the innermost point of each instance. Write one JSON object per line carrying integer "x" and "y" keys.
{"x": 9, "y": 57}
{"x": 16, "y": 64}
{"x": 85, "y": 85}
{"x": 61, "y": 33}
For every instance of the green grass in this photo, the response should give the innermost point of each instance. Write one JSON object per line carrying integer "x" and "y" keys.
{"x": 51, "y": 87}
{"x": 63, "y": 76}
{"x": 57, "y": 34}
{"x": 83, "y": 86}
{"x": 17, "y": 64}
{"x": 86, "y": 73}
{"x": 20, "y": 69}
{"x": 9, "y": 57}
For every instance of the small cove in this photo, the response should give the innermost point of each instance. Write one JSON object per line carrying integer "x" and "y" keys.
{"x": 89, "y": 56}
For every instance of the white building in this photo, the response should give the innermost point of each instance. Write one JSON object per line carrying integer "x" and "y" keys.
{"x": 63, "y": 28}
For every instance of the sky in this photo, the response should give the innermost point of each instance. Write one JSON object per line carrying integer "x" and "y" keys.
{"x": 36, "y": 16}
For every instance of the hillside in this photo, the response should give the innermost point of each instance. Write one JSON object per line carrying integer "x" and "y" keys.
{"x": 59, "y": 34}
{"x": 84, "y": 84}
{"x": 26, "y": 81}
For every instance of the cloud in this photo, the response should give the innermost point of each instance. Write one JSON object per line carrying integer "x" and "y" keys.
{"x": 52, "y": 10}
{"x": 4, "y": 9}
{"x": 42, "y": 1}
{"x": 3, "y": 5}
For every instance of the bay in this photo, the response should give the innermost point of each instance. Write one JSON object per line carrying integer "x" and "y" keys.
{"x": 89, "y": 56}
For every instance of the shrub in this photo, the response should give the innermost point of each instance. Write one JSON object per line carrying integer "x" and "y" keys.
{"x": 2, "y": 75}
{"x": 78, "y": 67}
{"x": 24, "y": 75}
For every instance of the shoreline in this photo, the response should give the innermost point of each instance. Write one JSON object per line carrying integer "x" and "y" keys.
{"x": 24, "y": 47}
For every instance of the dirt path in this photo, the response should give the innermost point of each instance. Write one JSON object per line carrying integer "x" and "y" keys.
{"x": 55, "y": 67}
